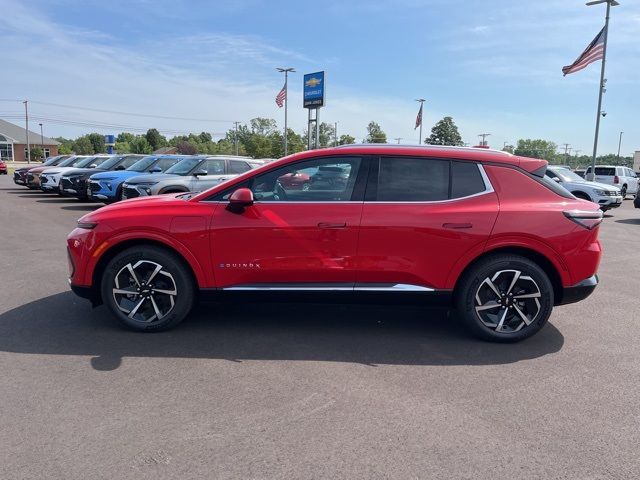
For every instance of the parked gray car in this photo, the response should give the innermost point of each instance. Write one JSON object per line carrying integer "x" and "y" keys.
{"x": 194, "y": 174}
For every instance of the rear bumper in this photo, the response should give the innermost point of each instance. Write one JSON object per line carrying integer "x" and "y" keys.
{"x": 579, "y": 291}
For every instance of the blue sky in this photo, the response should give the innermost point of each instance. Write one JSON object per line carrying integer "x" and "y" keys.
{"x": 493, "y": 66}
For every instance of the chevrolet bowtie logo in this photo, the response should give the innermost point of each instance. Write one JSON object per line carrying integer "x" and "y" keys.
{"x": 313, "y": 82}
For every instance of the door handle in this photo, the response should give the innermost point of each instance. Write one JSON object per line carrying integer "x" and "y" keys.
{"x": 457, "y": 226}
{"x": 332, "y": 225}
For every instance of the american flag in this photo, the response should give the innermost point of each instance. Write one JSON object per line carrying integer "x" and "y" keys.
{"x": 282, "y": 96}
{"x": 419, "y": 117}
{"x": 593, "y": 53}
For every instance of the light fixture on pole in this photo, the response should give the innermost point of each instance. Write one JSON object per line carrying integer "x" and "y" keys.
{"x": 483, "y": 142}
{"x": 286, "y": 72}
{"x": 603, "y": 81}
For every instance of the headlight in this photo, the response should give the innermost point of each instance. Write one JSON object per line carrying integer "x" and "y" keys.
{"x": 145, "y": 187}
{"x": 600, "y": 192}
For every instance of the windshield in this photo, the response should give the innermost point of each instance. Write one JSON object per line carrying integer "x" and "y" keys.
{"x": 143, "y": 164}
{"x": 184, "y": 167}
{"x": 50, "y": 161}
{"x": 567, "y": 175}
{"x": 111, "y": 161}
{"x": 68, "y": 161}
{"x": 84, "y": 162}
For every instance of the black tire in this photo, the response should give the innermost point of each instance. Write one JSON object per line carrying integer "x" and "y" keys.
{"x": 473, "y": 284}
{"x": 175, "y": 276}
{"x": 582, "y": 196}
{"x": 623, "y": 192}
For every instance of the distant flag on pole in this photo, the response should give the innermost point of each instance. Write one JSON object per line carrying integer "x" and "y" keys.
{"x": 282, "y": 96}
{"x": 419, "y": 117}
{"x": 593, "y": 53}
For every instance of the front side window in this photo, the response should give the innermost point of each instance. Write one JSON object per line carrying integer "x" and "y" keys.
{"x": 165, "y": 163}
{"x": 403, "y": 179}
{"x": 319, "y": 180}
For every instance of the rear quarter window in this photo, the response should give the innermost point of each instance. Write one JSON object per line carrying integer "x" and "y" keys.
{"x": 466, "y": 179}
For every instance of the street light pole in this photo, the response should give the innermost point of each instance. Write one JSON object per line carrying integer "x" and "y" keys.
{"x": 335, "y": 134}
{"x": 42, "y": 141}
{"x": 609, "y": 3}
{"x": 286, "y": 103}
{"x": 619, "y": 145}
{"x": 235, "y": 138}
{"x": 26, "y": 130}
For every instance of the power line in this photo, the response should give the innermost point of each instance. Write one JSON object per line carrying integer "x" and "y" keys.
{"x": 117, "y": 112}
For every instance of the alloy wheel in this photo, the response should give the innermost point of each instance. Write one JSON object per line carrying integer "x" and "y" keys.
{"x": 144, "y": 291}
{"x": 508, "y": 301}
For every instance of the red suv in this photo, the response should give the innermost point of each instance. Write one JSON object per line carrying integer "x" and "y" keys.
{"x": 483, "y": 230}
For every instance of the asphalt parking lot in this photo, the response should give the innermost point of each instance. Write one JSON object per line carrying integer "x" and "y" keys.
{"x": 306, "y": 391}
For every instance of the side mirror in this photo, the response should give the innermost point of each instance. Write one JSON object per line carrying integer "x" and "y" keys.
{"x": 241, "y": 198}
{"x": 556, "y": 179}
{"x": 155, "y": 170}
{"x": 120, "y": 167}
{"x": 200, "y": 173}
{"x": 93, "y": 165}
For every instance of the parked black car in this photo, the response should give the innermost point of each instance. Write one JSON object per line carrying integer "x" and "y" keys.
{"x": 74, "y": 182}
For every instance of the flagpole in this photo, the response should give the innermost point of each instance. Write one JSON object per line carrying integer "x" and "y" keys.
{"x": 592, "y": 175}
{"x": 286, "y": 103}
{"x": 421, "y": 101}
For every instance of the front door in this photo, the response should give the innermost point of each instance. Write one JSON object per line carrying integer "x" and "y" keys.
{"x": 293, "y": 237}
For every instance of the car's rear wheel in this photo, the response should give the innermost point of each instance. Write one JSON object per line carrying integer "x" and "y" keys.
{"x": 148, "y": 288}
{"x": 504, "y": 298}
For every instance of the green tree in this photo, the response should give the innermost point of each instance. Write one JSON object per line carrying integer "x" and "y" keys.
{"x": 155, "y": 139}
{"x": 536, "y": 148}
{"x": 83, "y": 146}
{"x": 66, "y": 145}
{"x": 36, "y": 154}
{"x": 125, "y": 137}
{"x": 346, "y": 140}
{"x": 122, "y": 147}
{"x": 445, "y": 132}
{"x": 327, "y": 134}
{"x": 140, "y": 145}
{"x": 97, "y": 141}
{"x": 508, "y": 148}
{"x": 375, "y": 134}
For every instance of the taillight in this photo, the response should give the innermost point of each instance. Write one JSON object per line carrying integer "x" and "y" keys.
{"x": 616, "y": 179}
{"x": 588, "y": 219}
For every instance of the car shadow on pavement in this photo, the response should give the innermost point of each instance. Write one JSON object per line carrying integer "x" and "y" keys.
{"x": 372, "y": 335}
{"x": 83, "y": 207}
{"x": 58, "y": 199}
{"x": 629, "y": 221}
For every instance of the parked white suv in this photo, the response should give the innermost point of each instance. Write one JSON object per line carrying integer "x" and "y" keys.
{"x": 603, "y": 194}
{"x": 622, "y": 177}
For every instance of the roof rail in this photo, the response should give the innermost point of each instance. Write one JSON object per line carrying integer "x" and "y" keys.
{"x": 413, "y": 145}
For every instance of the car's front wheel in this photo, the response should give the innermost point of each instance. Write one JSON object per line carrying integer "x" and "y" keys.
{"x": 623, "y": 192}
{"x": 504, "y": 298}
{"x": 148, "y": 288}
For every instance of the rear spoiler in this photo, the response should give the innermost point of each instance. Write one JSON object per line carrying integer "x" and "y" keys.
{"x": 534, "y": 166}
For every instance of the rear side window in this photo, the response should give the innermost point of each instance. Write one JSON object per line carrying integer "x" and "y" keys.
{"x": 610, "y": 171}
{"x": 238, "y": 167}
{"x": 465, "y": 179}
{"x": 413, "y": 180}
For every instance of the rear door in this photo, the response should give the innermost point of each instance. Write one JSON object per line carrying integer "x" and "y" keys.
{"x": 215, "y": 173}
{"x": 420, "y": 216}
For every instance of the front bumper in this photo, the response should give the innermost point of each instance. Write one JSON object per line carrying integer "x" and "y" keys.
{"x": 579, "y": 291}
{"x": 607, "y": 202}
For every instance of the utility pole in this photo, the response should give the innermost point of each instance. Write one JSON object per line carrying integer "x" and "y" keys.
{"x": 335, "y": 133}
{"x": 286, "y": 103}
{"x": 603, "y": 82}
{"x": 619, "y": 145}
{"x": 235, "y": 138}
{"x": 397, "y": 139}
{"x": 575, "y": 154}
{"x": 26, "y": 130}
{"x": 42, "y": 142}
{"x": 420, "y": 113}
{"x": 483, "y": 142}
{"x": 567, "y": 147}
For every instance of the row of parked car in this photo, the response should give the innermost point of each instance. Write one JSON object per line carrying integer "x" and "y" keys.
{"x": 110, "y": 178}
